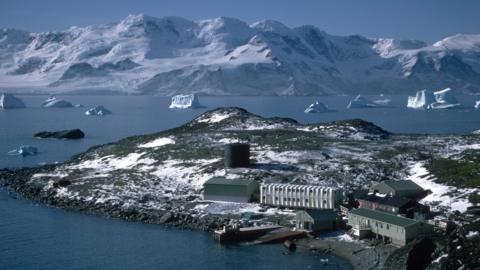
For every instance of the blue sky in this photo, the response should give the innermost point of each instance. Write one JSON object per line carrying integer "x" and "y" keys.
{"x": 428, "y": 20}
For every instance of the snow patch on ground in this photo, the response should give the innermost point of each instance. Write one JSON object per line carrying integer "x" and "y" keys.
{"x": 174, "y": 171}
{"x": 215, "y": 118}
{"x": 461, "y": 148}
{"x": 158, "y": 142}
{"x": 110, "y": 163}
{"x": 442, "y": 195}
{"x": 225, "y": 208}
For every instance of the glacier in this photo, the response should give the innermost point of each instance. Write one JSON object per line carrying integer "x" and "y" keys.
{"x": 442, "y": 99}
{"x": 317, "y": 107}
{"x": 167, "y": 56}
{"x": 98, "y": 110}
{"x": 54, "y": 102}
{"x": 185, "y": 102}
{"x": 9, "y": 101}
{"x": 361, "y": 102}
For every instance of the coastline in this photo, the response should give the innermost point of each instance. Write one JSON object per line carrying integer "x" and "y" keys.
{"x": 359, "y": 254}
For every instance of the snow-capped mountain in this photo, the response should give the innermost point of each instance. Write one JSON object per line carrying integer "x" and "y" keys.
{"x": 225, "y": 56}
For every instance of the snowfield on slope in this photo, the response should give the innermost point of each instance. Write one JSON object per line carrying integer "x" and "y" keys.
{"x": 448, "y": 197}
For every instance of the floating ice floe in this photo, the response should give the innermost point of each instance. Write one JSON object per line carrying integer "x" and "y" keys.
{"x": 78, "y": 106}
{"x": 24, "y": 150}
{"x": 317, "y": 107}
{"x": 185, "y": 102}
{"x": 383, "y": 102}
{"x": 424, "y": 99}
{"x": 99, "y": 110}
{"x": 54, "y": 102}
{"x": 9, "y": 101}
{"x": 361, "y": 102}
{"x": 477, "y": 104}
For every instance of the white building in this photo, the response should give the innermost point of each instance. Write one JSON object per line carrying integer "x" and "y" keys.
{"x": 300, "y": 196}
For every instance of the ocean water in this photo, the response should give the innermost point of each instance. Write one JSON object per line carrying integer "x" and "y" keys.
{"x": 38, "y": 237}
{"x": 134, "y": 115}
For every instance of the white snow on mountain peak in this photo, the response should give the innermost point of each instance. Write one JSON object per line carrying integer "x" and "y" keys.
{"x": 173, "y": 55}
{"x": 462, "y": 42}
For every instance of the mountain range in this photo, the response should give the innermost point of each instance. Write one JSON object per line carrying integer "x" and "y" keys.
{"x": 143, "y": 55}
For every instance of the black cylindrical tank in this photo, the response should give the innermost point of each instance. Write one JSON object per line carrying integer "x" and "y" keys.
{"x": 237, "y": 155}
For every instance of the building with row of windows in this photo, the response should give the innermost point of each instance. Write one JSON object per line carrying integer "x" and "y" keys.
{"x": 300, "y": 196}
{"x": 392, "y": 228}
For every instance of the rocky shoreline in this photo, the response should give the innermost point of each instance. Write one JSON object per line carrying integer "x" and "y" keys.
{"x": 15, "y": 181}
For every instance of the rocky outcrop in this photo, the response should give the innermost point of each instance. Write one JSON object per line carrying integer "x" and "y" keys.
{"x": 71, "y": 134}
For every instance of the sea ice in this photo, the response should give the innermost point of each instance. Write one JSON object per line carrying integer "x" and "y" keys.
{"x": 99, "y": 110}
{"x": 185, "y": 102}
{"x": 317, "y": 107}
{"x": 361, "y": 102}
{"x": 24, "y": 150}
{"x": 54, "y": 102}
{"x": 9, "y": 101}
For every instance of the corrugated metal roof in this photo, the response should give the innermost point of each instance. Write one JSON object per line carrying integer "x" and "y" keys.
{"x": 402, "y": 185}
{"x": 392, "y": 201}
{"x": 320, "y": 213}
{"x": 225, "y": 181}
{"x": 384, "y": 217}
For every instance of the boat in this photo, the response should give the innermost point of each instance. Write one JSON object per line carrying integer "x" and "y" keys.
{"x": 231, "y": 234}
{"x": 290, "y": 245}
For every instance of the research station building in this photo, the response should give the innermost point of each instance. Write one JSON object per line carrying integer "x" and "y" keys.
{"x": 230, "y": 190}
{"x": 392, "y": 228}
{"x": 402, "y": 188}
{"x": 300, "y": 196}
{"x": 315, "y": 220}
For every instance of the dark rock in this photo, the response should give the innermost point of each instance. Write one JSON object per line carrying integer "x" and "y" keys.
{"x": 62, "y": 134}
{"x": 167, "y": 217}
{"x": 61, "y": 183}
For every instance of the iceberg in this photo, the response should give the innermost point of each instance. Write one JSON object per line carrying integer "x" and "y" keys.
{"x": 54, "y": 102}
{"x": 443, "y": 99}
{"x": 383, "y": 102}
{"x": 317, "y": 107}
{"x": 9, "y": 101}
{"x": 422, "y": 100}
{"x": 185, "y": 102}
{"x": 99, "y": 110}
{"x": 24, "y": 150}
{"x": 361, "y": 102}
{"x": 477, "y": 104}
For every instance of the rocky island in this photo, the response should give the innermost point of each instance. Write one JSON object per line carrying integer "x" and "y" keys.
{"x": 158, "y": 178}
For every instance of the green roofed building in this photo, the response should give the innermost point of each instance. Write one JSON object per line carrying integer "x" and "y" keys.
{"x": 402, "y": 188}
{"x": 316, "y": 219}
{"x": 230, "y": 190}
{"x": 392, "y": 228}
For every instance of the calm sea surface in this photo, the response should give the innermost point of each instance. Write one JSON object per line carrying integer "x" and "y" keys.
{"x": 135, "y": 115}
{"x": 37, "y": 237}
